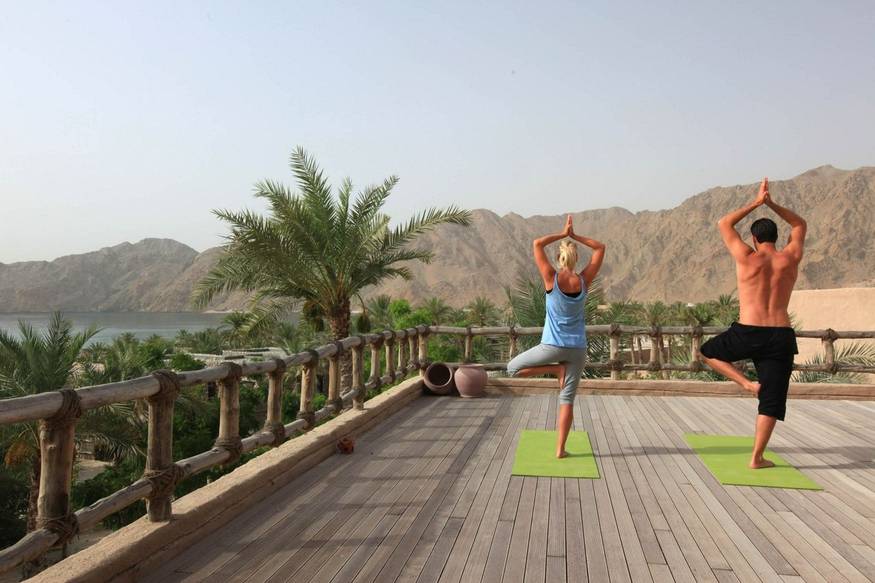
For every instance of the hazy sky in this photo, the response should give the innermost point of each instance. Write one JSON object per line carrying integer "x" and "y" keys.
{"x": 125, "y": 120}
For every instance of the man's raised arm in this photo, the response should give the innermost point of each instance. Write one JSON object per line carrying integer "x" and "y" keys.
{"x": 798, "y": 227}
{"x": 738, "y": 248}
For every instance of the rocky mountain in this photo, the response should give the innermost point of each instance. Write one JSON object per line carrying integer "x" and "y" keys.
{"x": 673, "y": 254}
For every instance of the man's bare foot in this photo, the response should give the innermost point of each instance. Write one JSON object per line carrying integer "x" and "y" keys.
{"x": 751, "y": 387}
{"x": 562, "y": 454}
{"x": 759, "y": 465}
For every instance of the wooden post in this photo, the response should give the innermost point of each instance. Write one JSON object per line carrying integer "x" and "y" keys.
{"x": 160, "y": 470}
{"x": 411, "y": 350}
{"x": 469, "y": 338}
{"x": 655, "y": 349}
{"x": 274, "y": 421}
{"x": 308, "y": 388}
{"x": 334, "y": 379}
{"x": 57, "y": 450}
{"x": 829, "y": 351}
{"x": 390, "y": 360}
{"x": 402, "y": 357}
{"x": 695, "y": 347}
{"x": 615, "y": 352}
{"x": 229, "y": 412}
{"x": 358, "y": 382}
{"x": 422, "y": 341}
{"x": 514, "y": 345}
{"x": 375, "y": 362}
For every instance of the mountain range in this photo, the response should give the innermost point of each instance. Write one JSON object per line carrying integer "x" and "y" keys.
{"x": 674, "y": 254}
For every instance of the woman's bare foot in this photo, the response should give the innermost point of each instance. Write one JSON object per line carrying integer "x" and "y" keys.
{"x": 752, "y": 387}
{"x": 562, "y": 454}
{"x": 763, "y": 463}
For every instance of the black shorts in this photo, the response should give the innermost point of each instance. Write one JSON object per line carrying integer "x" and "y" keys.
{"x": 771, "y": 349}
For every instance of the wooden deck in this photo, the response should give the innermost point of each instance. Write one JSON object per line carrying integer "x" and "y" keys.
{"x": 428, "y": 496}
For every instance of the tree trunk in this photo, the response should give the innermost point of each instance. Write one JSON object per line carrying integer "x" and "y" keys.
{"x": 662, "y": 353}
{"x": 31, "y": 568}
{"x": 339, "y": 321}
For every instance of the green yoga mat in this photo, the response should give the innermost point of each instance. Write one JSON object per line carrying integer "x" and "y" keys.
{"x": 536, "y": 456}
{"x": 727, "y": 457}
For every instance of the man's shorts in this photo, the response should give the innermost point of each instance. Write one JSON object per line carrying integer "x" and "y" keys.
{"x": 771, "y": 349}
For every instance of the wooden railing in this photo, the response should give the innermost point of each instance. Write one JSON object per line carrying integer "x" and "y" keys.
{"x": 401, "y": 352}
{"x": 695, "y": 334}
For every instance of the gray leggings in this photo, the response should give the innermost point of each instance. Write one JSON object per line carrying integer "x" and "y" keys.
{"x": 544, "y": 354}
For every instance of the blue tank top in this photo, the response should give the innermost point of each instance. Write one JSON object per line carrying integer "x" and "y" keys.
{"x": 565, "y": 325}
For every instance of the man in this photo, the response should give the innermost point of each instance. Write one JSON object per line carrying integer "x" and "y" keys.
{"x": 765, "y": 281}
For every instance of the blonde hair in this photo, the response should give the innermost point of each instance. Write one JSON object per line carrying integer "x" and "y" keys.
{"x": 567, "y": 254}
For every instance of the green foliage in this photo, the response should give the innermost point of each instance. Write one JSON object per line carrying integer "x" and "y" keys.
{"x": 655, "y": 314}
{"x": 701, "y": 314}
{"x": 528, "y": 302}
{"x": 437, "y": 310}
{"x": 111, "y": 480}
{"x": 194, "y": 431}
{"x": 207, "y": 341}
{"x": 363, "y": 323}
{"x": 380, "y": 313}
{"x": 849, "y": 353}
{"x": 182, "y": 361}
{"x": 482, "y": 312}
{"x": 36, "y": 363}
{"x": 13, "y": 505}
{"x": 398, "y": 310}
{"x": 124, "y": 358}
{"x": 726, "y": 309}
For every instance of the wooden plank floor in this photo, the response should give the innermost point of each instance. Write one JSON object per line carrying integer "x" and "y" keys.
{"x": 428, "y": 497}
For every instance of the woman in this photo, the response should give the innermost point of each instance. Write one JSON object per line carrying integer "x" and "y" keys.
{"x": 562, "y": 350}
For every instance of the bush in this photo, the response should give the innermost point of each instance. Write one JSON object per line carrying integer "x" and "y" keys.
{"x": 13, "y": 506}
{"x": 182, "y": 361}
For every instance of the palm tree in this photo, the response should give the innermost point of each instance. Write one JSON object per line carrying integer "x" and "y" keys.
{"x": 654, "y": 314}
{"x": 726, "y": 309}
{"x": 701, "y": 314}
{"x": 291, "y": 338}
{"x": 379, "y": 310}
{"x": 438, "y": 310}
{"x": 206, "y": 341}
{"x": 852, "y": 353}
{"x": 37, "y": 363}
{"x": 317, "y": 247}
{"x": 238, "y": 325}
{"x": 482, "y": 312}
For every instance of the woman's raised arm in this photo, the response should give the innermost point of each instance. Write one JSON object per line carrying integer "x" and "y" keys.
{"x": 541, "y": 260}
{"x": 595, "y": 261}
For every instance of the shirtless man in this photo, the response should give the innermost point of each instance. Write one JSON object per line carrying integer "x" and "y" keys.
{"x": 763, "y": 334}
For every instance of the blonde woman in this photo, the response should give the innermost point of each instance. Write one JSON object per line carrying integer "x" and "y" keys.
{"x": 562, "y": 351}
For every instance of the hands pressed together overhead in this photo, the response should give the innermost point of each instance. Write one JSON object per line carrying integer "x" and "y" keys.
{"x": 763, "y": 196}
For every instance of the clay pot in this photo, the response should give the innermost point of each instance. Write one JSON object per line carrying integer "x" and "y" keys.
{"x": 470, "y": 380}
{"x": 438, "y": 378}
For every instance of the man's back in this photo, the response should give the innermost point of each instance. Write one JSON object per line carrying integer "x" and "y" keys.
{"x": 765, "y": 281}
{"x": 765, "y": 275}
{"x": 763, "y": 334}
